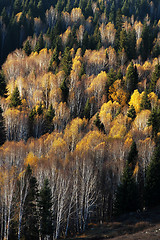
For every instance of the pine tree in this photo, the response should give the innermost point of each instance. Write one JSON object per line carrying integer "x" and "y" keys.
{"x": 3, "y": 90}
{"x": 127, "y": 198}
{"x": 39, "y": 44}
{"x": 154, "y": 120}
{"x": 145, "y": 102}
{"x": 2, "y": 128}
{"x": 132, "y": 156}
{"x": 15, "y": 99}
{"x": 65, "y": 91}
{"x": 98, "y": 123}
{"x": 30, "y": 215}
{"x": 48, "y": 119}
{"x": 131, "y": 112}
{"x": 152, "y": 183}
{"x": 45, "y": 210}
{"x": 131, "y": 78}
{"x": 67, "y": 61}
{"x": 27, "y": 48}
{"x": 154, "y": 78}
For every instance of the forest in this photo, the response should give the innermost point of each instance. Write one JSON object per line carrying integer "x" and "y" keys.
{"x": 79, "y": 114}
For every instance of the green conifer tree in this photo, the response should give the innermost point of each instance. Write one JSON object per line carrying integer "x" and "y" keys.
{"x": 145, "y": 102}
{"x": 98, "y": 123}
{"x": 27, "y": 48}
{"x": 131, "y": 78}
{"x": 131, "y": 112}
{"x": 3, "y": 90}
{"x": 39, "y": 44}
{"x": 127, "y": 198}
{"x": 154, "y": 78}
{"x": 152, "y": 183}
{"x": 45, "y": 210}
{"x": 30, "y": 221}
{"x": 15, "y": 99}
{"x": 67, "y": 61}
{"x": 2, "y": 128}
{"x": 65, "y": 91}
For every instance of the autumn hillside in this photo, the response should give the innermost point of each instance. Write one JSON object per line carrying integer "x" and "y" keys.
{"x": 79, "y": 114}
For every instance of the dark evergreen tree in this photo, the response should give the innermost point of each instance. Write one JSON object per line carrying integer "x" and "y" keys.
{"x": 17, "y": 6}
{"x": 2, "y": 128}
{"x": 67, "y": 62}
{"x": 98, "y": 123}
{"x": 31, "y": 122}
{"x": 131, "y": 78}
{"x": 154, "y": 121}
{"x": 152, "y": 183}
{"x": 65, "y": 91}
{"x": 123, "y": 41}
{"x": 131, "y": 45}
{"x": 50, "y": 113}
{"x": 154, "y": 78}
{"x": 15, "y": 99}
{"x": 119, "y": 75}
{"x": 45, "y": 210}
{"x": 40, "y": 109}
{"x": 132, "y": 156}
{"x": 146, "y": 42}
{"x": 3, "y": 90}
{"x": 4, "y": 15}
{"x": 127, "y": 197}
{"x": 27, "y": 48}
{"x": 145, "y": 102}
{"x": 87, "y": 109}
{"x": 30, "y": 221}
{"x": 131, "y": 112}
{"x": 39, "y": 44}
{"x": 88, "y": 10}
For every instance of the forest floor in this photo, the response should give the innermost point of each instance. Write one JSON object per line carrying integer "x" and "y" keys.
{"x": 134, "y": 226}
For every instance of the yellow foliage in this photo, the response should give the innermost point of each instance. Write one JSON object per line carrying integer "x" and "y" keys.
{"x": 118, "y": 129}
{"x": 31, "y": 160}
{"x": 136, "y": 100}
{"x": 140, "y": 122}
{"x": 18, "y": 15}
{"x": 90, "y": 141}
{"x": 153, "y": 99}
{"x": 136, "y": 169}
{"x": 117, "y": 93}
{"x": 21, "y": 174}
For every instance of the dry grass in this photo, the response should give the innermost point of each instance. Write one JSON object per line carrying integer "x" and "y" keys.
{"x": 129, "y": 227}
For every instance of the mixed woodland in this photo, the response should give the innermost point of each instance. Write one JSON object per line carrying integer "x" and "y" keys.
{"x": 79, "y": 114}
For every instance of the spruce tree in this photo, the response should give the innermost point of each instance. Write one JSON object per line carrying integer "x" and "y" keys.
{"x": 131, "y": 112}
{"x": 145, "y": 102}
{"x": 3, "y": 90}
{"x": 154, "y": 78}
{"x": 152, "y": 183}
{"x": 15, "y": 99}
{"x": 67, "y": 61}
{"x": 45, "y": 210}
{"x": 132, "y": 156}
{"x": 30, "y": 216}
{"x": 154, "y": 121}
{"x": 131, "y": 78}
{"x": 98, "y": 123}
{"x": 65, "y": 91}
{"x": 127, "y": 197}
{"x": 39, "y": 44}
{"x": 27, "y": 48}
{"x": 2, "y": 128}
